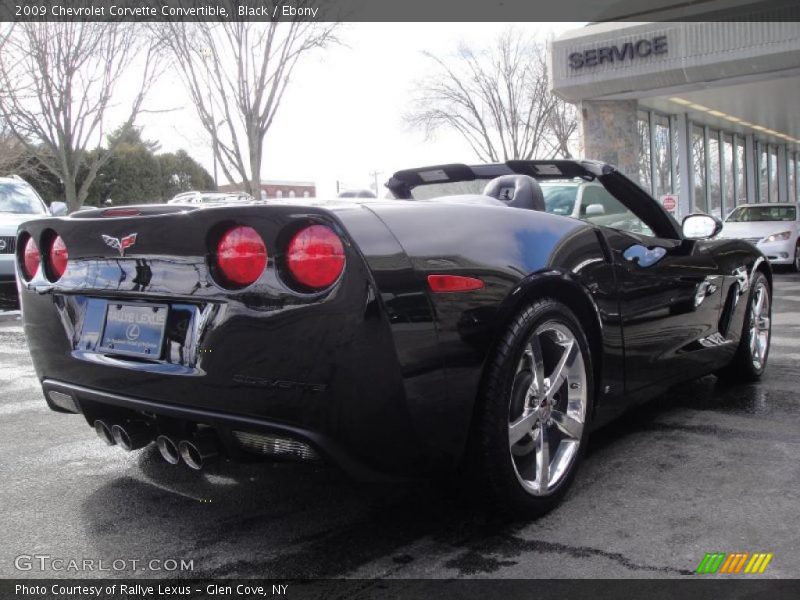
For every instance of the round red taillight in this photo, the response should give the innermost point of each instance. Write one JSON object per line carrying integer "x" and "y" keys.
{"x": 30, "y": 259}
{"x": 241, "y": 256}
{"x": 315, "y": 257}
{"x": 58, "y": 258}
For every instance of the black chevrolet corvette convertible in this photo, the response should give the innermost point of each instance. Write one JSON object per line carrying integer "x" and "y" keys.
{"x": 458, "y": 324}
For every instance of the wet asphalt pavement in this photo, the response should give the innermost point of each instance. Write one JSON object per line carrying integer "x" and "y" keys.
{"x": 703, "y": 468}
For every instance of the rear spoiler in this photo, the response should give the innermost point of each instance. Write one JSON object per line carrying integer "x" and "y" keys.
{"x": 132, "y": 210}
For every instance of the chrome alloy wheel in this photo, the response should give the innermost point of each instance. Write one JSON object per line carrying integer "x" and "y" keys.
{"x": 547, "y": 411}
{"x": 759, "y": 325}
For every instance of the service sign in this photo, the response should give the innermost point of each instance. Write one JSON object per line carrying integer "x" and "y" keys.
{"x": 619, "y": 53}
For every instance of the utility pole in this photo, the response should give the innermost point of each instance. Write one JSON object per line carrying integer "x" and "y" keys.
{"x": 374, "y": 175}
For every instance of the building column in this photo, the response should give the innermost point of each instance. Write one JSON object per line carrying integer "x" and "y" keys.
{"x": 609, "y": 134}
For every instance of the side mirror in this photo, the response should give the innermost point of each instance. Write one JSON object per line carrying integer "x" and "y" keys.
{"x": 58, "y": 208}
{"x": 595, "y": 210}
{"x": 701, "y": 227}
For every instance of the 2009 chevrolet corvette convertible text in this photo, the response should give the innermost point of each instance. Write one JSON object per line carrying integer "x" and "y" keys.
{"x": 455, "y": 325}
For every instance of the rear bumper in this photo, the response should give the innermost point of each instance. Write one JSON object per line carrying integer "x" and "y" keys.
{"x": 358, "y": 366}
{"x": 98, "y": 404}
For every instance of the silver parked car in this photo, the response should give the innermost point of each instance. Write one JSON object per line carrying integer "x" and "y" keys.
{"x": 19, "y": 202}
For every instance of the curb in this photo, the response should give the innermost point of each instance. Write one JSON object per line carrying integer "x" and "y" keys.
{"x": 7, "y": 316}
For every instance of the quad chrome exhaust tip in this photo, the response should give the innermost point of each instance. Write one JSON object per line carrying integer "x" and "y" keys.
{"x": 199, "y": 451}
{"x": 132, "y": 435}
{"x": 168, "y": 449}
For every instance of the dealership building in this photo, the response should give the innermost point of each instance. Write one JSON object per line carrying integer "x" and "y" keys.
{"x": 705, "y": 114}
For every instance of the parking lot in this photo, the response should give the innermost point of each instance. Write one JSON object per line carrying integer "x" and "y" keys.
{"x": 704, "y": 468}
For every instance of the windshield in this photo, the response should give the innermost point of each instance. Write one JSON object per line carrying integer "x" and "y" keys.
{"x": 20, "y": 199}
{"x": 560, "y": 199}
{"x": 451, "y": 188}
{"x": 750, "y": 214}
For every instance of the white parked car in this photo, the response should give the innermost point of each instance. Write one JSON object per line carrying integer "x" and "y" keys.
{"x": 19, "y": 202}
{"x": 772, "y": 228}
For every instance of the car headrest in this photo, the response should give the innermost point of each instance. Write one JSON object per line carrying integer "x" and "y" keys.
{"x": 519, "y": 191}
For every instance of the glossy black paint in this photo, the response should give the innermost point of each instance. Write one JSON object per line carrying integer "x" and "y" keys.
{"x": 377, "y": 373}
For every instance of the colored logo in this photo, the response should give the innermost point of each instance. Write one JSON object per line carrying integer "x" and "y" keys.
{"x": 734, "y": 563}
{"x": 120, "y": 244}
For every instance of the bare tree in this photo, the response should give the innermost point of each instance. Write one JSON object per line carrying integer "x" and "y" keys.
{"x": 562, "y": 129}
{"x": 237, "y": 73}
{"x": 57, "y": 83}
{"x": 498, "y": 100}
{"x": 12, "y": 152}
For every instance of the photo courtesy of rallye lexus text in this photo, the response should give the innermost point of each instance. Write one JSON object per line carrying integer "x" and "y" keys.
{"x": 432, "y": 332}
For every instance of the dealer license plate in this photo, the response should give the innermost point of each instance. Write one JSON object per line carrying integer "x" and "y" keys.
{"x": 134, "y": 329}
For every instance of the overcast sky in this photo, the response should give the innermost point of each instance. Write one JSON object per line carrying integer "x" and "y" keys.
{"x": 342, "y": 115}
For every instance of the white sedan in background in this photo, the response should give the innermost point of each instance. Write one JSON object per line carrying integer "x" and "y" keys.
{"x": 772, "y": 228}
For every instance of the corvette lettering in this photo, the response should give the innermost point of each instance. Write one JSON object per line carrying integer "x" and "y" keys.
{"x": 278, "y": 384}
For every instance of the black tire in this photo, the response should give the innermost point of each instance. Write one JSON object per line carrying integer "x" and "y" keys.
{"x": 492, "y": 465}
{"x": 743, "y": 367}
{"x": 796, "y": 264}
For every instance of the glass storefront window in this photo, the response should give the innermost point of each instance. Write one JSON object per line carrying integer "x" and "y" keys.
{"x": 763, "y": 173}
{"x": 741, "y": 171}
{"x": 714, "y": 191}
{"x": 727, "y": 174}
{"x": 720, "y": 166}
{"x": 643, "y": 126}
{"x": 797, "y": 176}
{"x": 676, "y": 149}
{"x": 773, "y": 174}
{"x": 662, "y": 162}
{"x": 698, "y": 169}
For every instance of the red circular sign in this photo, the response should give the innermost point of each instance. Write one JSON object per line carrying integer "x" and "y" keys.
{"x": 668, "y": 202}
